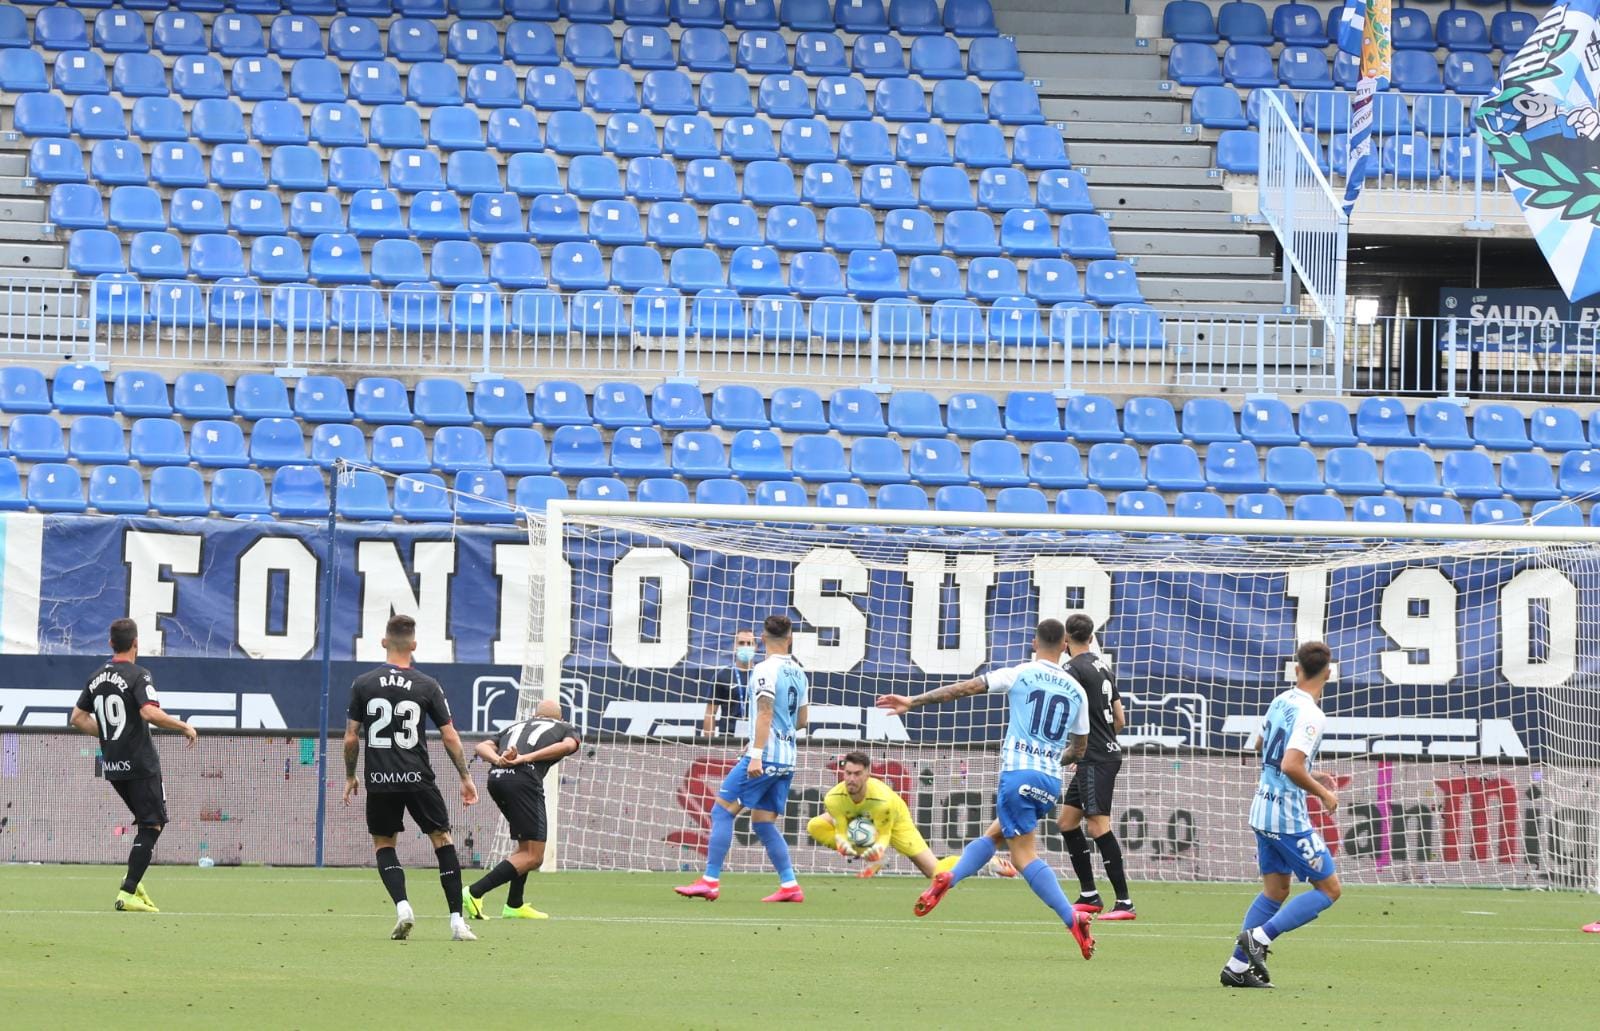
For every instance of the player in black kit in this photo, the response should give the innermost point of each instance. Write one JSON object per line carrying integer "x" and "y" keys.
{"x": 117, "y": 706}
{"x": 521, "y": 757}
{"x": 386, "y": 709}
{"x": 1088, "y": 797}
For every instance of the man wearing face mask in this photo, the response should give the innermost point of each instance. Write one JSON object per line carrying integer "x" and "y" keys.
{"x": 729, "y": 683}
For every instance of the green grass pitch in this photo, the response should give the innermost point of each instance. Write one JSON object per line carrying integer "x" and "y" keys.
{"x": 256, "y": 947}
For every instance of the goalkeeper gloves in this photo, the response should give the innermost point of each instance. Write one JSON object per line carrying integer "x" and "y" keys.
{"x": 876, "y": 853}
{"x": 841, "y": 845}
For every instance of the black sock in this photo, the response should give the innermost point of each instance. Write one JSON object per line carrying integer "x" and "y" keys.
{"x": 514, "y": 894}
{"x": 393, "y": 874}
{"x": 139, "y": 856}
{"x": 501, "y": 874}
{"x": 1111, "y": 855}
{"x": 450, "y": 876}
{"x": 1082, "y": 865}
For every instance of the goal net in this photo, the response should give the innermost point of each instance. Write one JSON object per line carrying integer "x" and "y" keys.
{"x": 1462, "y": 711}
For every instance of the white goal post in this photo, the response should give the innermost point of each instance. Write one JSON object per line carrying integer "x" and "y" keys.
{"x": 1462, "y": 715}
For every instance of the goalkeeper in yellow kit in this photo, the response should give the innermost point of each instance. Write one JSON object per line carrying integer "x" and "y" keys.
{"x": 858, "y": 793}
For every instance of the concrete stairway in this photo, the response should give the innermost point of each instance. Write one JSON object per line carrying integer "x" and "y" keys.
{"x": 1149, "y": 172}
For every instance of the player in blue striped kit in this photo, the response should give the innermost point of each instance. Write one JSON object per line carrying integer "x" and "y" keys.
{"x": 1286, "y": 844}
{"x": 1047, "y": 707}
{"x": 760, "y": 780}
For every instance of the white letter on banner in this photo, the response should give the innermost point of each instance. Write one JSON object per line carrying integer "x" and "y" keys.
{"x": 974, "y": 576}
{"x": 150, "y": 595}
{"x": 1560, "y": 596}
{"x": 832, "y": 610}
{"x": 1434, "y": 631}
{"x": 1059, "y": 580}
{"x": 256, "y": 566}
{"x": 511, "y": 567}
{"x": 1308, "y": 589}
{"x": 628, "y": 578}
{"x": 386, "y": 590}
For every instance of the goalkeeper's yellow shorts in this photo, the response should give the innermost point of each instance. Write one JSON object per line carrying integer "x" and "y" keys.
{"x": 904, "y": 837}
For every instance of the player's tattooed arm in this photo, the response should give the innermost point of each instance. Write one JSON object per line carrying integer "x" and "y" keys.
{"x": 452, "y": 748}
{"x": 1076, "y": 750}
{"x": 902, "y": 704}
{"x": 352, "y": 748}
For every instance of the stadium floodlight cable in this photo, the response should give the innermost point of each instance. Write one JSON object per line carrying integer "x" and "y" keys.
{"x": 1459, "y": 719}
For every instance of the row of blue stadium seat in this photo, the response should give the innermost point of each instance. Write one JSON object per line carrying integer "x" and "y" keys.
{"x": 673, "y": 216}
{"x": 491, "y": 87}
{"x": 1246, "y": 65}
{"x": 759, "y": 454}
{"x": 411, "y": 41}
{"x": 482, "y": 496}
{"x": 968, "y": 18}
{"x": 552, "y": 219}
{"x": 1409, "y": 158}
{"x": 1219, "y": 107}
{"x": 574, "y": 133}
{"x": 1297, "y": 24}
{"x": 1023, "y": 415}
{"x": 336, "y": 258}
{"x": 237, "y": 304}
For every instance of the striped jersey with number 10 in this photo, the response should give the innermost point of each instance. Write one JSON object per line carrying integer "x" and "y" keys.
{"x": 1293, "y": 721}
{"x": 1047, "y": 706}
{"x": 780, "y": 678}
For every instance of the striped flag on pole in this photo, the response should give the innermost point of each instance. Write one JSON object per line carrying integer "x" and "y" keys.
{"x": 1364, "y": 22}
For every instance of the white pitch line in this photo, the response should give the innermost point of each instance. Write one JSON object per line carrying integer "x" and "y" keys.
{"x": 964, "y": 927}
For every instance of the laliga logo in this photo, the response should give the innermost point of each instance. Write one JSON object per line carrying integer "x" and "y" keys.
{"x": 494, "y": 703}
{"x": 1176, "y": 720}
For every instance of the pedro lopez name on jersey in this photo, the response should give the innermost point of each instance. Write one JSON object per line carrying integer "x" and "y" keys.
{"x": 780, "y": 678}
{"x": 1295, "y": 721}
{"x": 1046, "y": 706}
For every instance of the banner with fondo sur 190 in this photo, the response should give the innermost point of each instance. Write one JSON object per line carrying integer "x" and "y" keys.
{"x": 1517, "y": 321}
{"x": 1447, "y": 656}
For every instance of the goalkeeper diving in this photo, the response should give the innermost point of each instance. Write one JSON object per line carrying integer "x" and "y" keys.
{"x": 859, "y": 794}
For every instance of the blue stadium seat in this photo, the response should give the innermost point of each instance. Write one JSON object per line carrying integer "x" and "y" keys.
{"x": 514, "y": 130}
{"x": 856, "y": 412}
{"x": 919, "y": 144}
{"x": 414, "y": 39}
{"x": 762, "y": 52}
{"x": 631, "y": 135}
{"x": 1293, "y": 470}
{"x": 1326, "y": 424}
{"x": 1108, "y": 281}
{"x": 577, "y": 265}
{"x": 1080, "y": 501}
{"x": 878, "y": 56}
{"x": 1198, "y": 504}
{"x": 22, "y": 71}
{"x": 1469, "y": 474}
{"x": 821, "y": 53}
{"x": 1115, "y": 467}
{"x": 739, "y": 407}
{"x": 899, "y": 100}
{"x": 1026, "y": 232}
{"x": 294, "y": 36}
{"x": 1304, "y": 68}
{"x": 97, "y": 440}
{"x": 1247, "y": 64}
{"x": 201, "y": 395}
{"x": 1411, "y": 472}
{"x": 1267, "y": 422}
{"x": 791, "y": 227}
{"x": 364, "y": 497}
{"x": 355, "y": 307}
{"x": 993, "y": 59}
{"x": 117, "y": 163}
{"x": 668, "y": 93}
{"x": 98, "y": 118}
{"x": 991, "y": 278}
{"x": 1194, "y": 64}
{"x": 758, "y": 455}
{"x": 938, "y": 461}
{"x": 560, "y": 403}
{"x": 1039, "y": 147}
{"x": 1556, "y": 513}
{"x": 421, "y": 497}
{"x": 61, "y": 28}
{"x": 1441, "y": 424}
{"x": 1324, "y": 112}
{"x": 1555, "y": 428}
{"x": 601, "y": 488}
{"x": 784, "y": 96}
{"x": 530, "y": 175}
{"x": 937, "y": 57}
{"x": 256, "y": 213}
{"x": 36, "y": 437}
{"x": 94, "y": 252}
{"x": 1188, "y": 21}
{"x": 154, "y": 255}
{"x": 572, "y": 133}
{"x": 397, "y": 261}
{"x": 277, "y": 442}
{"x": 178, "y": 491}
{"x": 865, "y": 143}
{"x": 1383, "y": 420}
{"x": 1409, "y": 158}
{"x": 934, "y": 278}
{"x": 958, "y": 101}
{"x": 798, "y": 410}
{"x": 1378, "y": 510}
{"x": 1500, "y": 428}
{"x": 1352, "y": 470}
{"x": 382, "y": 401}
{"x": 1496, "y": 511}
{"x": 696, "y": 268}
{"x": 1150, "y": 420}
{"x": 970, "y": 234}
{"x": 261, "y": 396}
{"x": 1461, "y": 31}
{"x": 1077, "y": 324}
{"x": 1056, "y": 464}
{"x": 1259, "y": 506}
{"x": 552, "y": 89}
{"x": 589, "y": 46}
{"x": 1234, "y": 468}
{"x": 878, "y": 460}
{"x": 636, "y": 267}
{"x": 697, "y": 455}
{"x": 140, "y": 393}
{"x": 1509, "y": 30}
{"x": 521, "y": 451}
{"x": 1416, "y": 71}
{"x": 1010, "y": 103}
{"x": 679, "y": 406}
{"x": 969, "y": 18}
{"x": 1297, "y": 24}
{"x": 350, "y": 38}
{"x": 457, "y": 448}
{"x": 217, "y": 444}
{"x": 819, "y": 458}
{"x": 824, "y": 184}
{"x": 1175, "y": 467}
{"x": 874, "y": 275}
{"x": 981, "y": 146}
{"x": 240, "y": 493}
{"x": 55, "y": 160}
{"x": 1528, "y": 477}
{"x": 1064, "y": 190}
{"x": 193, "y": 210}
{"x": 399, "y": 449}
{"x": 42, "y": 114}
{"x": 1410, "y": 29}
{"x": 55, "y": 487}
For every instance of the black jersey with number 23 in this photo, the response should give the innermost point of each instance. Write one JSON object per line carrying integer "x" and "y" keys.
{"x": 389, "y": 703}
{"x": 1093, "y": 674}
{"x": 115, "y": 695}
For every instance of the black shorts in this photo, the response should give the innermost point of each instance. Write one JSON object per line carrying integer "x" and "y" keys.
{"x": 146, "y": 799}
{"x": 523, "y": 806}
{"x": 1092, "y": 786}
{"x": 386, "y": 811}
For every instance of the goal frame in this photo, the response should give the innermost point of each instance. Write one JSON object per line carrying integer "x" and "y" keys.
{"x": 558, "y": 513}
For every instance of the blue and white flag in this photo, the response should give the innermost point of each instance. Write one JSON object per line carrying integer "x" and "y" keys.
{"x": 1543, "y": 130}
{"x": 1364, "y": 30}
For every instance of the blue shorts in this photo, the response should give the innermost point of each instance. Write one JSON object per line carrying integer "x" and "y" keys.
{"x": 1025, "y": 797}
{"x": 1306, "y": 855}
{"x": 770, "y": 791}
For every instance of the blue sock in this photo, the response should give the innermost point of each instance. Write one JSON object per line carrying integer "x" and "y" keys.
{"x": 721, "y": 840}
{"x": 777, "y": 851}
{"x": 1043, "y": 881}
{"x": 1297, "y": 912}
{"x": 973, "y": 858}
{"x": 1260, "y": 911}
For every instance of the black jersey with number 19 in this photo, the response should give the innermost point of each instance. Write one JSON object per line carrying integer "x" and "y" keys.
{"x": 1094, "y": 674}
{"x": 115, "y": 695}
{"x": 389, "y": 703}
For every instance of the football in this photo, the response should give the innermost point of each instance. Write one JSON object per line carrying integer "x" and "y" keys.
{"x": 861, "y": 833}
